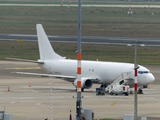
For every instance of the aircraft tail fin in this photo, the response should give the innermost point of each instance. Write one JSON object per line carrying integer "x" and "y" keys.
{"x": 45, "y": 49}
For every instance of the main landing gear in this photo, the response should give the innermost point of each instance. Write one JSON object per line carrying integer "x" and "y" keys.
{"x": 82, "y": 89}
{"x": 103, "y": 86}
{"x": 140, "y": 91}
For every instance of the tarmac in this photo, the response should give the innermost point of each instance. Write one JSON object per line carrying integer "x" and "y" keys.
{"x": 28, "y": 97}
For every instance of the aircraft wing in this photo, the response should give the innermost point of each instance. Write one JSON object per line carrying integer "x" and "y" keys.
{"x": 64, "y": 77}
{"x": 46, "y": 75}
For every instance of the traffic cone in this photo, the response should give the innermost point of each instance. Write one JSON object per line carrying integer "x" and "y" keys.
{"x": 29, "y": 84}
{"x": 148, "y": 86}
{"x": 89, "y": 89}
{"x": 8, "y": 89}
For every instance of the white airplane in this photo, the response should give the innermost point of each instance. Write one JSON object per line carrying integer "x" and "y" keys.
{"x": 103, "y": 73}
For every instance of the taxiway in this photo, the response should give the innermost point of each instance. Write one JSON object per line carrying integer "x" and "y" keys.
{"x": 33, "y": 103}
{"x": 85, "y": 39}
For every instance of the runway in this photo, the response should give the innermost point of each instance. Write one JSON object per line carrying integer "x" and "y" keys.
{"x": 83, "y": 5}
{"x": 85, "y": 39}
{"x": 33, "y": 103}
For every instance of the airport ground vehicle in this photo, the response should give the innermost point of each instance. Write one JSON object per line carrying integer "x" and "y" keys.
{"x": 100, "y": 91}
{"x": 119, "y": 89}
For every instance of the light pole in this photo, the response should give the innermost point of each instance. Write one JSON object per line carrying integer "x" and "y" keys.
{"x": 78, "y": 102}
{"x": 135, "y": 83}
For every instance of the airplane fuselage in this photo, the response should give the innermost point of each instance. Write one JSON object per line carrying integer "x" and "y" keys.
{"x": 106, "y": 72}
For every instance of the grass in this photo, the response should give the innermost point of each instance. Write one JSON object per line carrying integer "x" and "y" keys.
{"x": 112, "y": 2}
{"x": 113, "y": 22}
{"x": 29, "y": 50}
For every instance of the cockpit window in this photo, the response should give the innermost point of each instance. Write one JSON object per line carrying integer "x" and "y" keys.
{"x": 143, "y": 72}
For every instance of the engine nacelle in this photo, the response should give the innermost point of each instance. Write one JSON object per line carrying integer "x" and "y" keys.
{"x": 85, "y": 83}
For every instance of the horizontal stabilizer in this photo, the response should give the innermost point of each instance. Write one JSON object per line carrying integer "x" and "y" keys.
{"x": 23, "y": 60}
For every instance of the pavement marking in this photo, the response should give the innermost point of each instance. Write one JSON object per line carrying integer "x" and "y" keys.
{"x": 113, "y": 103}
{"x": 13, "y": 102}
{"x": 46, "y": 102}
{"x": 19, "y": 114}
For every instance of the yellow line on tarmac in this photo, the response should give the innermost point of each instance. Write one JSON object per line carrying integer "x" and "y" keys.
{"x": 113, "y": 103}
{"x": 19, "y": 114}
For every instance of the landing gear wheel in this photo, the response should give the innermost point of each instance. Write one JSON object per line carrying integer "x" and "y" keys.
{"x": 103, "y": 85}
{"x": 82, "y": 89}
{"x": 140, "y": 91}
{"x": 126, "y": 94}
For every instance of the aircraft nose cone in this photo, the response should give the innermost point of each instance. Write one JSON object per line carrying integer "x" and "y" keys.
{"x": 150, "y": 78}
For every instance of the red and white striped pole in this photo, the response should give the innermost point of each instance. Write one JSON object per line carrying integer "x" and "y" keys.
{"x": 130, "y": 7}
{"x": 79, "y": 72}
{"x": 78, "y": 103}
{"x": 62, "y": 3}
{"x": 69, "y": 3}
{"x": 130, "y": 11}
{"x": 135, "y": 83}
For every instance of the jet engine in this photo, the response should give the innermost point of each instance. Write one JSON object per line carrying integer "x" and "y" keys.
{"x": 85, "y": 83}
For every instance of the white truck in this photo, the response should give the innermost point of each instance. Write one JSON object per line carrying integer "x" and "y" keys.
{"x": 119, "y": 89}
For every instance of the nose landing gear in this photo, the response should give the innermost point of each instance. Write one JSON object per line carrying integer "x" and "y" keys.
{"x": 140, "y": 91}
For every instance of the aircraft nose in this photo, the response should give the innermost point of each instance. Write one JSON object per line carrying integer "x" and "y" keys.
{"x": 150, "y": 78}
